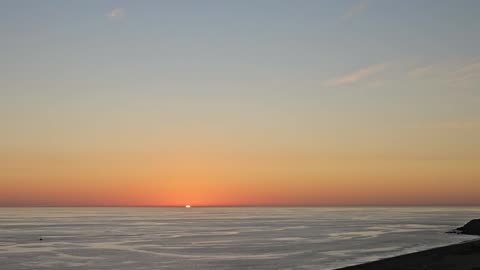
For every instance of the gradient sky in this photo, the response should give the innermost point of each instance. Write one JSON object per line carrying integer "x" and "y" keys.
{"x": 239, "y": 102}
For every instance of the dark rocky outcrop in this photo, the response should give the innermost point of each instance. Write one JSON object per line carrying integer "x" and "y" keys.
{"x": 472, "y": 227}
{"x": 463, "y": 256}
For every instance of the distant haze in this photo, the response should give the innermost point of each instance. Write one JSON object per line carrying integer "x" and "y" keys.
{"x": 239, "y": 102}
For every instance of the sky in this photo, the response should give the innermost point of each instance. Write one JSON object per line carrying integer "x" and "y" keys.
{"x": 348, "y": 102}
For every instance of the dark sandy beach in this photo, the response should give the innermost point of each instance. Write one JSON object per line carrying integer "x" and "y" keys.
{"x": 463, "y": 256}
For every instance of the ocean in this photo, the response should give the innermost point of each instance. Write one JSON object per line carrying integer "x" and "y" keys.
{"x": 220, "y": 238}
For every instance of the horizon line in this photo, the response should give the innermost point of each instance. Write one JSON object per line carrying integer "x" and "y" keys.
{"x": 242, "y": 205}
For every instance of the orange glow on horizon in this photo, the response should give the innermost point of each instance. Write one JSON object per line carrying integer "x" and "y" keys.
{"x": 216, "y": 178}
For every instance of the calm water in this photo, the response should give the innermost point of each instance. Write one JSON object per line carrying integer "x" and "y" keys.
{"x": 219, "y": 238}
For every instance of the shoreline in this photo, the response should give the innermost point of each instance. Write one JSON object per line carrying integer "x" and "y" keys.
{"x": 461, "y": 256}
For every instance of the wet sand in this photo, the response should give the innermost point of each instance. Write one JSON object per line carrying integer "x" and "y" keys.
{"x": 463, "y": 256}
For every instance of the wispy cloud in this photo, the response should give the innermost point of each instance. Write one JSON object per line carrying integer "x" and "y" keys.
{"x": 355, "y": 9}
{"x": 466, "y": 72}
{"x": 356, "y": 76}
{"x": 448, "y": 72}
{"x": 116, "y": 13}
{"x": 421, "y": 71}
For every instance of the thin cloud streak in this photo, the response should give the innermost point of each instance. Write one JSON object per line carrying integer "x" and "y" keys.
{"x": 449, "y": 73}
{"x": 467, "y": 72}
{"x": 357, "y": 75}
{"x": 469, "y": 68}
{"x": 116, "y": 13}
{"x": 421, "y": 71}
{"x": 355, "y": 9}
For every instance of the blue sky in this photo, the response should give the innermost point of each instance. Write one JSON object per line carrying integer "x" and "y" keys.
{"x": 345, "y": 58}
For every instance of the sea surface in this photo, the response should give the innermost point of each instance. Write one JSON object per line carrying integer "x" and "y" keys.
{"x": 219, "y": 238}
